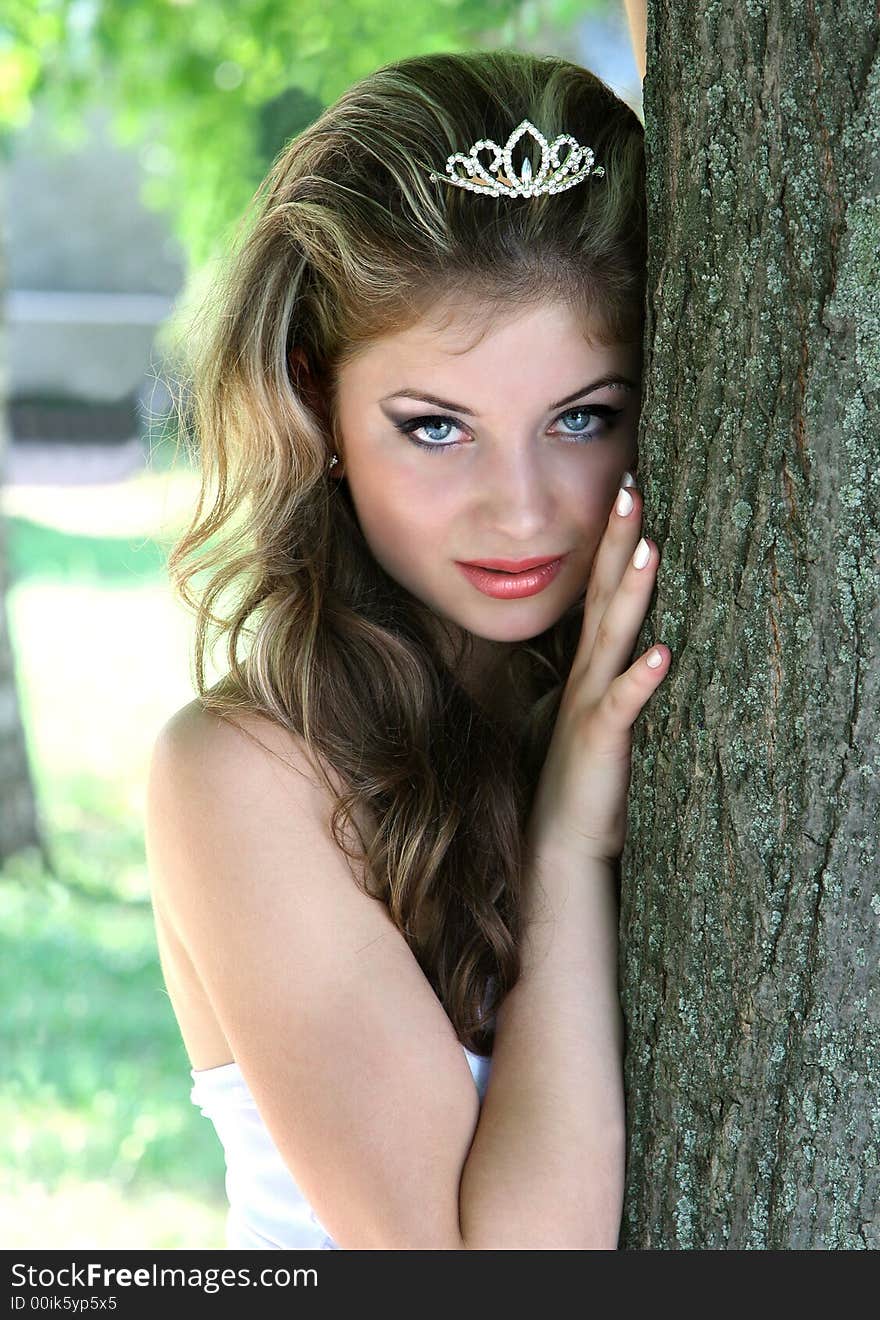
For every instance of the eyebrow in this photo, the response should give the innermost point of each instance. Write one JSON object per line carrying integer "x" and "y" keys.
{"x": 409, "y": 393}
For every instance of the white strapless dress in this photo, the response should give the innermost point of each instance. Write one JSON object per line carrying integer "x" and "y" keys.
{"x": 266, "y": 1207}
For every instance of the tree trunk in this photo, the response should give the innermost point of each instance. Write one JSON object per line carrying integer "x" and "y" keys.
{"x": 18, "y": 821}
{"x": 750, "y": 901}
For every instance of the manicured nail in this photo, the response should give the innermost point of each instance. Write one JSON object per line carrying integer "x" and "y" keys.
{"x": 642, "y": 554}
{"x": 654, "y": 659}
{"x": 628, "y": 479}
{"x": 624, "y": 502}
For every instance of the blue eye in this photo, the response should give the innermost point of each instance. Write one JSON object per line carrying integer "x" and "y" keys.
{"x": 579, "y": 435}
{"x": 597, "y": 410}
{"x": 427, "y": 423}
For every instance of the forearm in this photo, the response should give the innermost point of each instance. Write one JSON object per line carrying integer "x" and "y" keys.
{"x": 546, "y": 1164}
{"x": 637, "y": 17}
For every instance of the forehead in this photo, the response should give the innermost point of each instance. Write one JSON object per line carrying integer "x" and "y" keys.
{"x": 471, "y": 342}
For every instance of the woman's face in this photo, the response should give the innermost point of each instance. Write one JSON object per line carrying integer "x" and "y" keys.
{"x": 512, "y": 449}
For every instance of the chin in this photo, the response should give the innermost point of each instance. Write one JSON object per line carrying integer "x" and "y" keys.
{"x": 512, "y": 630}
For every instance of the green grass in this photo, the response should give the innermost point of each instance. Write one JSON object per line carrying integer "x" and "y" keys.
{"x": 103, "y": 1147}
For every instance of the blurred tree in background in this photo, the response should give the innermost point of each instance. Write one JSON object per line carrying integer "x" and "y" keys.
{"x": 219, "y": 86}
{"x": 25, "y": 33}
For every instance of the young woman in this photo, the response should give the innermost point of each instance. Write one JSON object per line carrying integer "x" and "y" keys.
{"x": 383, "y": 845}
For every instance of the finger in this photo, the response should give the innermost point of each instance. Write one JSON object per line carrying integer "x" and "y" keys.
{"x": 622, "y": 703}
{"x": 620, "y": 624}
{"x": 609, "y": 565}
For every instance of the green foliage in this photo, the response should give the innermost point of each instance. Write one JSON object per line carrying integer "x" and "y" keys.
{"x": 106, "y": 1149}
{"x": 96, "y": 1077}
{"x": 216, "y": 87}
{"x": 30, "y": 37}
{"x": 39, "y": 551}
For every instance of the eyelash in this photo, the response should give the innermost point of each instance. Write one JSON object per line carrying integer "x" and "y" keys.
{"x": 582, "y": 437}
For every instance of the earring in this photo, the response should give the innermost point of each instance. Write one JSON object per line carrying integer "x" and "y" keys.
{"x": 333, "y": 461}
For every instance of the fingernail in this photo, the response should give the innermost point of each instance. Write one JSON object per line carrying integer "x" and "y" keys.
{"x": 654, "y": 659}
{"x": 628, "y": 479}
{"x": 624, "y": 503}
{"x": 642, "y": 554}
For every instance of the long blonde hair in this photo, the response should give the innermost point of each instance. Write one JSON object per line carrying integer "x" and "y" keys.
{"x": 347, "y": 239}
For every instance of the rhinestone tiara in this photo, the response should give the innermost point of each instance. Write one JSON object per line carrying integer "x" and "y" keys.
{"x": 508, "y": 184}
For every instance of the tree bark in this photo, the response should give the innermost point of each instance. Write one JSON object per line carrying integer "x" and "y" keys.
{"x": 750, "y": 898}
{"x": 19, "y": 828}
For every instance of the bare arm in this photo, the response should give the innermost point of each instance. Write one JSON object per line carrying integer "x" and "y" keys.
{"x": 352, "y": 1061}
{"x": 637, "y": 17}
{"x": 547, "y": 1162}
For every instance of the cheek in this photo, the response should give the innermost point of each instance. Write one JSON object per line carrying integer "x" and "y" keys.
{"x": 400, "y": 513}
{"x": 591, "y": 496}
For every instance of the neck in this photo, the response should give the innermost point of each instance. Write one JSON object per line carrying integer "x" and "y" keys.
{"x": 478, "y": 666}
{"x": 485, "y": 678}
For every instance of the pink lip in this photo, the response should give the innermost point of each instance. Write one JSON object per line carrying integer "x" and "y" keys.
{"x": 512, "y": 565}
{"x": 511, "y": 586}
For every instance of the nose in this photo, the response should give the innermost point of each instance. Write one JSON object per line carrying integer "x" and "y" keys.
{"x": 517, "y": 495}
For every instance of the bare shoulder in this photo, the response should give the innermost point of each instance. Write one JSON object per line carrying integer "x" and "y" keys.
{"x": 243, "y": 783}
{"x": 217, "y": 789}
{"x": 244, "y": 759}
{"x": 246, "y": 742}
{"x": 323, "y": 1005}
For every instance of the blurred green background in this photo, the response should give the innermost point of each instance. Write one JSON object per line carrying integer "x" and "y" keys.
{"x": 102, "y": 1147}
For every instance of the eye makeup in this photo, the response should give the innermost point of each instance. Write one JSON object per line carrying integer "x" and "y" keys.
{"x": 604, "y": 412}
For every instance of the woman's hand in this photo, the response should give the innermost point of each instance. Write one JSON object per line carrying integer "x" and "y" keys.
{"x": 583, "y": 787}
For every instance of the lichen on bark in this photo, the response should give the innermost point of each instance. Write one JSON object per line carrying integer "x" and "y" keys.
{"x": 750, "y": 911}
